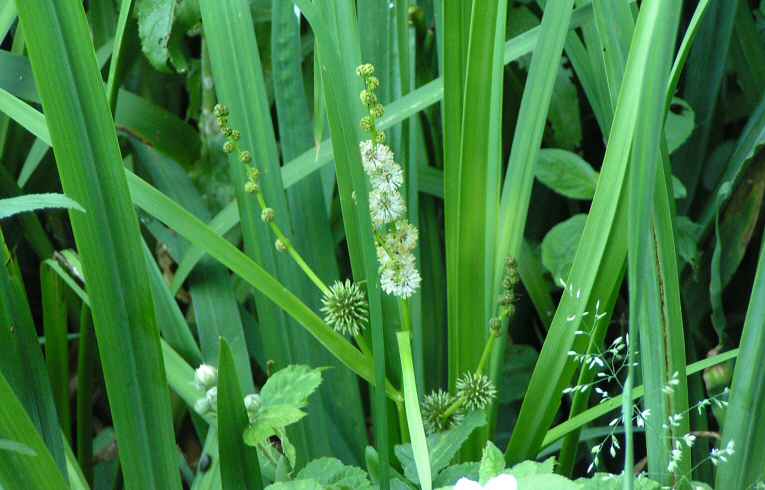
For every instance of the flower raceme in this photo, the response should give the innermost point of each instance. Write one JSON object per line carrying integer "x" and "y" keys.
{"x": 396, "y": 238}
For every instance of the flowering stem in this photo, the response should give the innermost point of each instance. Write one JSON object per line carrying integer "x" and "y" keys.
{"x": 406, "y": 316}
{"x": 291, "y": 249}
{"x": 402, "y": 422}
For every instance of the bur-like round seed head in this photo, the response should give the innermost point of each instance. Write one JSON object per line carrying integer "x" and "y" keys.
{"x": 345, "y": 308}
{"x": 206, "y": 376}
{"x": 433, "y": 407}
{"x": 476, "y": 390}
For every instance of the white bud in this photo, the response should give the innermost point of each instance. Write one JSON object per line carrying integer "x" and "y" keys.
{"x": 206, "y": 376}
{"x": 212, "y": 397}
{"x": 252, "y": 402}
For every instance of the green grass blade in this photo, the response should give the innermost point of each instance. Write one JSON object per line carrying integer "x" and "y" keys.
{"x": 413, "y": 416}
{"x": 21, "y": 361}
{"x": 54, "y": 310}
{"x": 87, "y": 359}
{"x": 239, "y": 466}
{"x": 595, "y": 273}
{"x": 656, "y": 28}
{"x": 742, "y": 425}
{"x": 88, "y": 157}
{"x": 21, "y": 471}
{"x": 704, "y": 75}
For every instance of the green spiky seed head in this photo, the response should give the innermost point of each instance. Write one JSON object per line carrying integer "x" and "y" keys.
{"x": 267, "y": 215}
{"x": 476, "y": 390}
{"x": 365, "y": 70}
{"x": 433, "y": 407}
{"x": 245, "y": 156}
{"x": 228, "y": 147}
{"x": 345, "y": 308}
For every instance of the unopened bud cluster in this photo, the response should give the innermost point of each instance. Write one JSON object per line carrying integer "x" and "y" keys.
{"x": 206, "y": 378}
{"x": 396, "y": 238}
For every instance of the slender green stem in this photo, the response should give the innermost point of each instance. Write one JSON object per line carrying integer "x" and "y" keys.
{"x": 406, "y": 315}
{"x": 402, "y": 424}
{"x": 487, "y": 350}
{"x": 86, "y": 364}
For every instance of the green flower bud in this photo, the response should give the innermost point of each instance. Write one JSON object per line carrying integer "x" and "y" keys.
{"x": 220, "y": 110}
{"x": 267, "y": 215}
{"x": 377, "y": 111}
{"x": 368, "y": 97}
{"x": 494, "y": 325}
{"x": 226, "y": 131}
{"x": 251, "y": 187}
{"x": 380, "y": 138}
{"x": 365, "y": 70}
{"x": 367, "y": 123}
{"x": 235, "y": 135}
{"x": 245, "y": 156}
{"x": 280, "y": 246}
{"x": 228, "y": 147}
{"x": 373, "y": 83}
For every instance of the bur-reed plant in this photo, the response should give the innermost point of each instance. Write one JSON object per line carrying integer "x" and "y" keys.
{"x": 381, "y": 244}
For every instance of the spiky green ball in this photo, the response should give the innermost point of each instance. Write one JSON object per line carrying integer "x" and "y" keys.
{"x": 433, "y": 408}
{"x": 476, "y": 390}
{"x": 345, "y": 308}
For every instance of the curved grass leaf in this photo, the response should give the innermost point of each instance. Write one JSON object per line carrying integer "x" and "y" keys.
{"x": 87, "y": 154}
{"x": 36, "y": 202}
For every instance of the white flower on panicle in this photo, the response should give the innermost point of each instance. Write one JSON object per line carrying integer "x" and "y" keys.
{"x": 375, "y": 156}
{"x": 399, "y": 276}
{"x": 500, "y": 482}
{"x": 385, "y": 207}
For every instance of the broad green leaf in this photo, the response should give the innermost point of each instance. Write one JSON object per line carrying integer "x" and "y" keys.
{"x": 107, "y": 237}
{"x": 560, "y": 245}
{"x": 548, "y": 482}
{"x": 296, "y": 485}
{"x": 36, "y": 202}
{"x": 155, "y": 24}
{"x": 492, "y": 463}
{"x": 334, "y": 475}
{"x": 291, "y": 386}
{"x": 679, "y": 125}
{"x": 566, "y": 173}
{"x": 269, "y": 420}
{"x": 450, "y": 474}
{"x": 530, "y": 468}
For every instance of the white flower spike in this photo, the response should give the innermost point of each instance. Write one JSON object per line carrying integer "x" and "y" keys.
{"x": 501, "y": 482}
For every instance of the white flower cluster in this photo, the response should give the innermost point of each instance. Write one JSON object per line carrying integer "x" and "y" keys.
{"x": 395, "y": 243}
{"x": 206, "y": 378}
